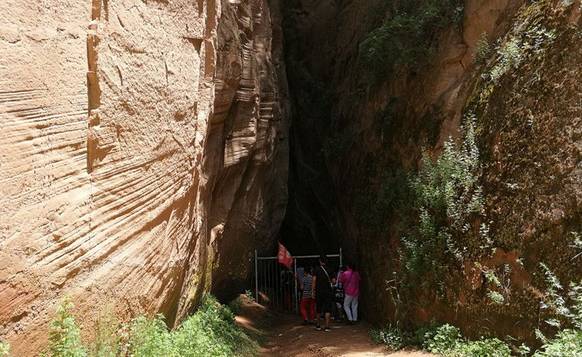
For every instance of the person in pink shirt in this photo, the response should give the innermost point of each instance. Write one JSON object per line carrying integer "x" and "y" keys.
{"x": 350, "y": 280}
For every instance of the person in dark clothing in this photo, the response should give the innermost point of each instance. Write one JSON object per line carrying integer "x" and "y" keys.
{"x": 323, "y": 293}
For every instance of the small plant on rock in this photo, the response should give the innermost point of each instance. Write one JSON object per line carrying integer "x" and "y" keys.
{"x": 566, "y": 343}
{"x": 407, "y": 37}
{"x": 447, "y": 196}
{"x": 391, "y": 336}
{"x": 64, "y": 334}
{"x": 448, "y": 341}
{"x": 482, "y": 49}
{"x": 4, "y": 349}
{"x": 250, "y": 295}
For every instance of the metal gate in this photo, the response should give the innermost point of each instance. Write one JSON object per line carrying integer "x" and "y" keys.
{"x": 277, "y": 287}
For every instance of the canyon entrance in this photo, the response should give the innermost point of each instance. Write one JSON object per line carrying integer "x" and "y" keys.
{"x": 149, "y": 148}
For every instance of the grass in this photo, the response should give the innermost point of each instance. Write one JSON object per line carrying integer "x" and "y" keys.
{"x": 561, "y": 311}
{"x": 445, "y": 340}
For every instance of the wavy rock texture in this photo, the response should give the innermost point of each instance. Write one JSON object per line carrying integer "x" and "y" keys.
{"x": 133, "y": 134}
{"x": 249, "y": 132}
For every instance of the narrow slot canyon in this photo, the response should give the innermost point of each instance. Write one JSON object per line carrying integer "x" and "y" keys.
{"x": 150, "y": 149}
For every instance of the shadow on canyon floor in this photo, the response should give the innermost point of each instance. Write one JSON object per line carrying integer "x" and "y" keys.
{"x": 283, "y": 335}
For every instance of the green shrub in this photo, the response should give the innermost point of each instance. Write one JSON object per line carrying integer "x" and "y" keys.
{"x": 447, "y": 198}
{"x": 561, "y": 308}
{"x": 391, "y": 336}
{"x": 65, "y": 335}
{"x": 482, "y": 49}
{"x": 250, "y": 295}
{"x": 510, "y": 57}
{"x": 150, "y": 337}
{"x": 532, "y": 40}
{"x": 490, "y": 347}
{"x": 4, "y": 349}
{"x": 107, "y": 341}
{"x": 442, "y": 340}
{"x": 447, "y": 341}
{"x": 407, "y": 37}
{"x": 566, "y": 343}
{"x": 217, "y": 332}
{"x": 235, "y": 306}
{"x": 210, "y": 331}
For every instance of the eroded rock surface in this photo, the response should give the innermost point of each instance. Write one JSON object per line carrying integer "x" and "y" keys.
{"x": 132, "y": 135}
{"x": 354, "y": 156}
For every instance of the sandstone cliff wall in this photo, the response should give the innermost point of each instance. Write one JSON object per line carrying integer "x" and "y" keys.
{"x": 130, "y": 131}
{"x": 374, "y": 133}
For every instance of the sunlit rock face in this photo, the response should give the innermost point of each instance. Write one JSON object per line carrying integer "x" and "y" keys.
{"x": 143, "y": 143}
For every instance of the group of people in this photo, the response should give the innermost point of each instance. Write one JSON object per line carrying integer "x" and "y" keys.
{"x": 325, "y": 293}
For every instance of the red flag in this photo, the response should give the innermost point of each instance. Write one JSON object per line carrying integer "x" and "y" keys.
{"x": 284, "y": 257}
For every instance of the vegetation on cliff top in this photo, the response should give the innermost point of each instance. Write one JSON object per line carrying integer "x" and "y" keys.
{"x": 210, "y": 331}
{"x": 407, "y": 37}
{"x": 469, "y": 243}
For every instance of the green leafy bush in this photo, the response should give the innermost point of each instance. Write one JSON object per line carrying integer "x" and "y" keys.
{"x": 250, "y": 295}
{"x": 150, "y": 337}
{"x": 407, "y": 37}
{"x": 566, "y": 343}
{"x": 443, "y": 339}
{"x": 447, "y": 198}
{"x": 533, "y": 40}
{"x": 107, "y": 341}
{"x": 65, "y": 335}
{"x": 482, "y": 49}
{"x": 447, "y": 341}
{"x": 510, "y": 57}
{"x": 490, "y": 347}
{"x": 563, "y": 308}
{"x": 391, "y": 336}
{"x": 211, "y": 331}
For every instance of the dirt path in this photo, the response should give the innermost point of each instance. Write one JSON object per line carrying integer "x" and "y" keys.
{"x": 283, "y": 335}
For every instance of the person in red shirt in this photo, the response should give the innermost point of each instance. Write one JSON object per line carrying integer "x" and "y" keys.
{"x": 350, "y": 280}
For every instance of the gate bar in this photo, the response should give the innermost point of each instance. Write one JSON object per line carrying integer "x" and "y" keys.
{"x": 269, "y": 274}
{"x": 256, "y": 278}
{"x": 296, "y": 295}
{"x": 303, "y": 257}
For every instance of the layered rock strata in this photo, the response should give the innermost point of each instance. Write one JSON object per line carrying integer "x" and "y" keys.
{"x": 138, "y": 139}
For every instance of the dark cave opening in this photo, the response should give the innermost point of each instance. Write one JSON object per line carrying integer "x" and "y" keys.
{"x": 312, "y": 223}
